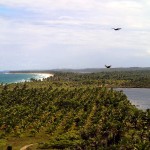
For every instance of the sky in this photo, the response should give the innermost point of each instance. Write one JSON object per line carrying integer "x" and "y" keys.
{"x": 58, "y": 34}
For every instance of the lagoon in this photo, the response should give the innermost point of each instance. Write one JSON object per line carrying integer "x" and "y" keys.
{"x": 140, "y": 97}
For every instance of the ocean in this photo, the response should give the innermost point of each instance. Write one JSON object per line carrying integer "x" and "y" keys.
{"x": 21, "y": 77}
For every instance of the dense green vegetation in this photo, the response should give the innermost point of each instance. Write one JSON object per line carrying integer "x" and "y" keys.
{"x": 109, "y": 78}
{"x": 75, "y": 111}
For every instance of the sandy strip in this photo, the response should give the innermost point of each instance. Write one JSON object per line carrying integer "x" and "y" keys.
{"x": 26, "y": 146}
{"x": 41, "y": 76}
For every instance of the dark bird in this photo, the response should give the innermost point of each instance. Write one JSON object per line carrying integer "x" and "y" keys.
{"x": 9, "y": 148}
{"x": 108, "y": 66}
{"x": 116, "y": 29}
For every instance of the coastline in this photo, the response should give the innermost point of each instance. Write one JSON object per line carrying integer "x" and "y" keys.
{"x": 137, "y": 96}
{"x": 38, "y": 76}
{"x": 24, "y": 77}
{"x": 41, "y": 76}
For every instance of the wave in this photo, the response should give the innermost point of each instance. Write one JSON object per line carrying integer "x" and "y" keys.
{"x": 41, "y": 76}
{"x": 22, "y": 77}
{"x": 23, "y": 80}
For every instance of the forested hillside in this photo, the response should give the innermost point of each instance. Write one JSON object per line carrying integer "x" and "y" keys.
{"x": 137, "y": 78}
{"x": 72, "y": 111}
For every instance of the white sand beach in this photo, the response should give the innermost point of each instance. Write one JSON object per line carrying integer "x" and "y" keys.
{"x": 41, "y": 76}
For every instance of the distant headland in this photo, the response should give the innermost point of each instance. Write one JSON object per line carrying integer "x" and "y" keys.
{"x": 83, "y": 70}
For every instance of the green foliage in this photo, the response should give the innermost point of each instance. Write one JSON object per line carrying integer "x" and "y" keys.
{"x": 75, "y": 112}
{"x": 67, "y": 140}
{"x": 133, "y": 78}
{"x": 2, "y": 143}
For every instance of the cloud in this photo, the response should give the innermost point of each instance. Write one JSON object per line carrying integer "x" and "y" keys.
{"x": 71, "y": 31}
{"x": 91, "y": 11}
{"x": 148, "y": 52}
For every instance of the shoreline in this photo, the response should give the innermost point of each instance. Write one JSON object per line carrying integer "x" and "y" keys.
{"x": 37, "y": 76}
{"x": 41, "y": 76}
{"x": 32, "y": 75}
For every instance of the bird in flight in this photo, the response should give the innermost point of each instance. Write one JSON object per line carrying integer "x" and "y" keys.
{"x": 108, "y": 66}
{"x": 116, "y": 29}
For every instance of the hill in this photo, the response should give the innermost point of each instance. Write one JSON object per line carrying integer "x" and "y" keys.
{"x": 73, "y": 111}
{"x": 84, "y": 70}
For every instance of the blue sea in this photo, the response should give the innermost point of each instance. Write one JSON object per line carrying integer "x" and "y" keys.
{"x": 21, "y": 77}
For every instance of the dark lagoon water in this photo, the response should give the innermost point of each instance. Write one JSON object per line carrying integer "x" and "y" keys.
{"x": 140, "y": 97}
{"x": 21, "y": 77}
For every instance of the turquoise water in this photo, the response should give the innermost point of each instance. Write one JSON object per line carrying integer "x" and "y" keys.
{"x": 15, "y": 78}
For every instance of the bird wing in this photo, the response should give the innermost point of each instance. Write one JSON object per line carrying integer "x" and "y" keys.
{"x": 116, "y": 28}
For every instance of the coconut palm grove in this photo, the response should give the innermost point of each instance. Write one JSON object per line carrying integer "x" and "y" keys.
{"x": 74, "y": 111}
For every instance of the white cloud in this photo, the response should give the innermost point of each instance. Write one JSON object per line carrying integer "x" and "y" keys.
{"x": 75, "y": 28}
{"x": 148, "y": 52}
{"x": 122, "y": 12}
